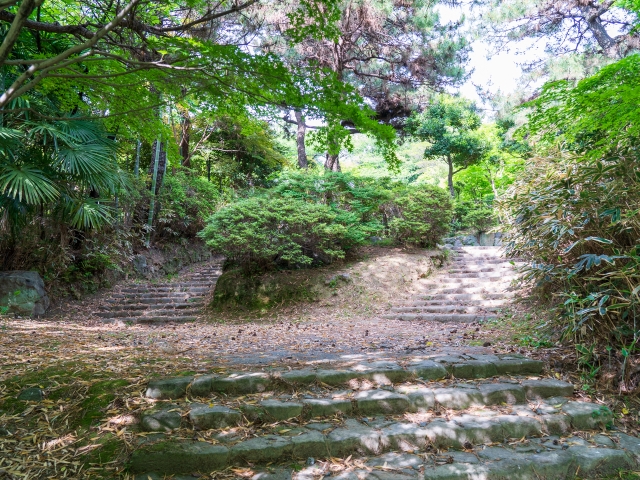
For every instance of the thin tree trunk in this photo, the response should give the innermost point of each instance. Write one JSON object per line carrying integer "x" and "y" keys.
{"x": 184, "y": 141}
{"x": 136, "y": 166}
{"x": 154, "y": 179}
{"x": 450, "y": 178}
{"x": 159, "y": 157}
{"x": 300, "y": 140}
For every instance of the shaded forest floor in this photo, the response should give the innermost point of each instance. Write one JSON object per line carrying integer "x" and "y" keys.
{"x": 93, "y": 374}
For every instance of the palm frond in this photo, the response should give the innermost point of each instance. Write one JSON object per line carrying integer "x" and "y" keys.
{"x": 88, "y": 213}
{"x": 27, "y": 184}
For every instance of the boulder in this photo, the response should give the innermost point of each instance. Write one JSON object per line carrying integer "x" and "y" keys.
{"x": 470, "y": 241}
{"x": 23, "y": 293}
{"x": 486, "y": 239}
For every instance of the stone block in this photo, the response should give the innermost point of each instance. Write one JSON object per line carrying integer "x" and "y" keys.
{"x": 512, "y": 365}
{"x": 299, "y": 377}
{"x": 269, "y": 448}
{"x": 428, "y": 370}
{"x": 310, "y": 444}
{"x": 354, "y": 438}
{"x": 174, "y": 457}
{"x": 599, "y": 461}
{"x": 588, "y": 416}
{"x": 324, "y": 407}
{"x": 421, "y": 398}
{"x": 498, "y": 393}
{"x": 382, "y": 401}
{"x": 406, "y": 437}
{"x": 336, "y": 377}
{"x": 164, "y": 420}
{"x": 202, "y": 386}
{"x": 168, "y": 388}
{"x": 545, "y": 388}
{"x": 205, "y": 417}
{"x": 515, "y": 426}
{"x": 472, "y": 369}
{"x": 255, "y": 382}
{"x": 279, "y": 410}
{"x": 556, "y": 424}
{"x": 458, "y": 398}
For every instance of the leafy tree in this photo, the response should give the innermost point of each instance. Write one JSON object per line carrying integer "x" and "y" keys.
{"x": 451, "y": 126}
{"x": 388, "y": 51}
{"x": 566, "y": 26}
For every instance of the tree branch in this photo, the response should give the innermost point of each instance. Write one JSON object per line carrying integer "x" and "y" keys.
{"x": 26, "y": 7}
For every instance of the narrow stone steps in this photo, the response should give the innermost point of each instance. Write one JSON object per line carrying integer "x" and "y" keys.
{"x": 457, "y": 297}
{"x": 149, "y": 313}
{"x": 441, "y": 318}
{"x": 180, "y": 300}
{"x": 467, "y": 309}
{"x": 460, "y": 303}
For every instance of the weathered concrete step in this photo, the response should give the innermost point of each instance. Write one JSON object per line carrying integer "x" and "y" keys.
{"x": 447, "y": 282}
{"x": 149, "y": 305}
{"x": 172, "y": 294}
{"x": 467, "y": 309}
{"x": 150, "y": 312}
{"x": 176, "y": 289}
{"x": 154, "y": 319}
{"x": 460, "y": 303}
{"x": 486, "y": 276}
{"x": 377, "y": 436}
{"x": 456, "y": 297}
{"x": 441, "y": 317}
{"x": 464, "y": 290}
{"x": 406, "y": 398}
{"x": 430, "y": 367}
{"x": 196, "y": 300}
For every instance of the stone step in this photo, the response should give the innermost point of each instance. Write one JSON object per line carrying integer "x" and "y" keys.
{"x": 488, "y": 276}
{"x": 468, "y": 309}
{"x": 430, "y": 367}
{"x": 448, "y": 282}
{"x": 405, "y": 398}
{"x": 153, "y": 319}
{"x": 160, "y": 299}
{"x": 155, "y": 296}
{"x": 375, "y": 436}
{"x": 150, "y": 312}
{"x": 441, "y": 317}
{"x": 459, "y": 303}
{"x": 176, "y": 289}
{"x": 457, "y": 297}
{"x": 432, "y": 291}
{"x": 150, "y": 305}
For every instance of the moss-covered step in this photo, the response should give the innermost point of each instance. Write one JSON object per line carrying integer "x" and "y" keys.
{"x": 381, "y": 373}
{"x": 375, "y": 437}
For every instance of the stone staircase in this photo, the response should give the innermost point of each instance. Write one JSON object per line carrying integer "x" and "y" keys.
{"x": 440, "y": 416}
{"x": 475, "y": 286}
{"x": 180, "y": 300}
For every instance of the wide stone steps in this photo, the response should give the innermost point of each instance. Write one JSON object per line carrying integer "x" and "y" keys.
{"x": 433, "y": 367}
{"x": 461, "y": 303}
{"x": 392, "y": 420}
{"x": 181, "y": 300}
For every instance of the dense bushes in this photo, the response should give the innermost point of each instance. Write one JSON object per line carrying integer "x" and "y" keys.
{"x": 421, "y": 215}
{"x": 309, "y": 218}
{"x": 258, "y": 231}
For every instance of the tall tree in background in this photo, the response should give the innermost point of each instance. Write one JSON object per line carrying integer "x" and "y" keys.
{"x": 387, "y": 50}
{"x": 451, "y": 126}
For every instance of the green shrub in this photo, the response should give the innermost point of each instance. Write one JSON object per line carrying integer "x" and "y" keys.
{"x": 575, "y": 219}
{"x": 421, "y": 215}
{"x": 475, "y": 216}
{"x": 260, "y": 232}
{"x": 185, "y": 202}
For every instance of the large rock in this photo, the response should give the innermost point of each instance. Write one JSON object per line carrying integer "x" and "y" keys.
{"x": 23, "y": 292}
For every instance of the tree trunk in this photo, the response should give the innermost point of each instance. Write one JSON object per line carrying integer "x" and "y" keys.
{"x": 184, "y": 140}
{"x": 161, "y": 158}
{"x": 608, "y": 44}
{"x": 450, "y": 178}
{"x": 332, "y": 162}
{"x": 300, "y": 140}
